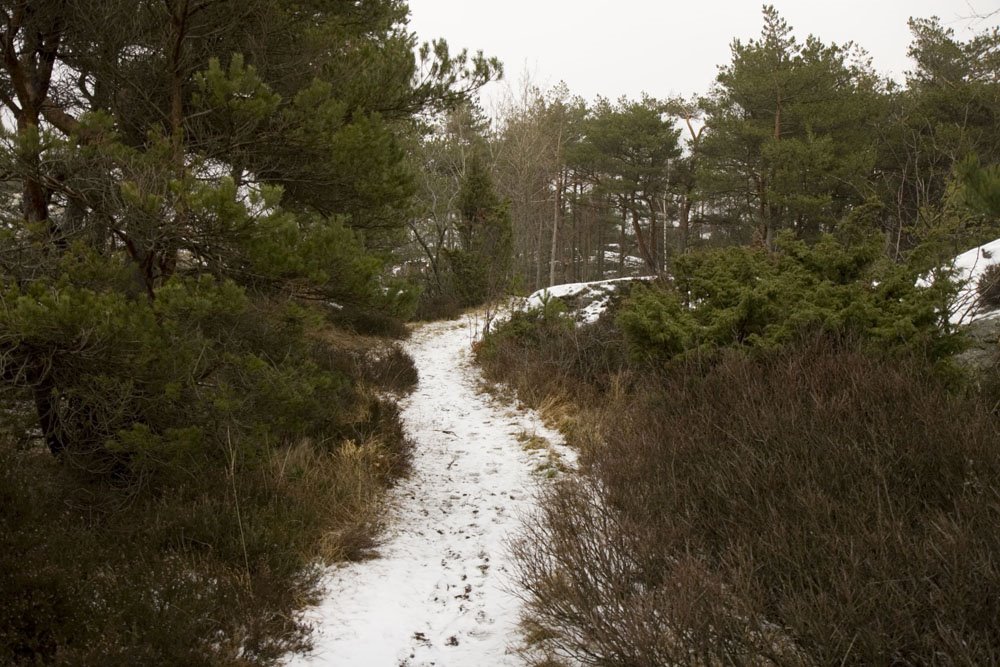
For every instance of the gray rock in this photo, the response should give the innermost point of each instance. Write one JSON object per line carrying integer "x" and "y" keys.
{"x": 983, "y": 353}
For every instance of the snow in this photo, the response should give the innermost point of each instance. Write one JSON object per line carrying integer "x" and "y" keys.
{"x": 441, "y": 591}
{"x": 968, "y": 268}
{"x": 593, "y": 297}
{"x": 631, "y": 261}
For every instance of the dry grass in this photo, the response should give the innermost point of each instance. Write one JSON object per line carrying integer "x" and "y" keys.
{"x": 559, "y": 412}
{"x": 551, "y": 464}
{"x": 344, "y": 488}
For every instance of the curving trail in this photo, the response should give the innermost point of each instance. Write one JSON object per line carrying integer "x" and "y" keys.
{"x": 439, "y": 592}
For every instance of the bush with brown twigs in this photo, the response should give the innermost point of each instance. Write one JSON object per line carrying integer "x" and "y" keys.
{"x": 988, "y": 287}
{"x": 541, "y": 353}
{"x": 813, "y": 506}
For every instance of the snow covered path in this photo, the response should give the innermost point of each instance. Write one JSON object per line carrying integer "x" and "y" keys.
{"x": 439, "y": 594}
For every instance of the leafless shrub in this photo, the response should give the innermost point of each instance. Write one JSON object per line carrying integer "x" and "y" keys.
{"x": 389, "y": 368}
{"x": 584, "y": 569}
{"x": 554, "y": 358}
{"x": 988, "y": 287}
{"x": 437, "y": 306}
{"x": 814, "y": 507}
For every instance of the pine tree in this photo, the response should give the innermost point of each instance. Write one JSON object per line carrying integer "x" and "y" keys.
{"x": 179, "y": 164}
{"x": 789, "y": 128}
{"x": 627, "y": 149}
{"x": 946, "y": 112}
{"x": 481, "y": 265}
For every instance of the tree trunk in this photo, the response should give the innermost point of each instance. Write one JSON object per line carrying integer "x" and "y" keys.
{"x": 47, "y": 408}
{"x": 764, "y": 234}
{"x": 654, "y": 237}
{"x": 640, "y": 237}
{"x": 30, "y": 76}
{"x": 163, "y": 256}
{"x": 621, "y": 240}
{"x": 579, "y": 263}
{"x": 771, "y": 220}
{"x": 35, "y": 200}
{"x": 600, "y": 245}
{"x": 653, "y": 241}
{"x": 685, "y": 222}
{"x": 556, "y": 221}
{"x": 539, "y": 243}
{"x": 664, "y": 238}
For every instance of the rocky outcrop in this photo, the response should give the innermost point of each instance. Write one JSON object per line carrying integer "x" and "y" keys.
{"x": 983, "y": 353}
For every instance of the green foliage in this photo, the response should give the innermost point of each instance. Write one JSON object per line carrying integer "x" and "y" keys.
{"x": 201, "y": 244}
{"x": 476, "y": 198}
{"x": 626, "y": 148}
{"x": 657, "y": 319}
{"x": 175, "y": 410}
{"x": 191, "y": 192}
{"x": 461, "y": 231}
{"x": 980, "y": 187}
{"x": 469, "y": 277}
{"x": 630, "y": 143}
{"x": 530, "y": 327}
{"x": 750, "y": 298}
{"x": 312, "y": 256}
{"x": 204, "y": 346}
{"x": 480, "y": 268}
{"x": 946, "y": 112}
{"x": 236, "y": 92}
{"x": 788, "y": 127}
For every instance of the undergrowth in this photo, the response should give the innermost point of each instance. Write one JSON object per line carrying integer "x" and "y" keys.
{"x": 811, "y": 508}
{"x": 203, "y": 558}
{"x": 821, "y": 500}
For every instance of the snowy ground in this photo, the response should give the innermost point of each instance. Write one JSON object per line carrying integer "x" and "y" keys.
{"x": 969, "y": 268}
{"x": 589, "y": 300}
{"x": 440, "y": 592}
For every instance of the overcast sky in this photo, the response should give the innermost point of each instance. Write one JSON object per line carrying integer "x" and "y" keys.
{"x": 664, "y": 47}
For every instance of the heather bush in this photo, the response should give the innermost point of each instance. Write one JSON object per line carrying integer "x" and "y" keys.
{"x": 810, "y": 506}
{"x": 540, "y": 352}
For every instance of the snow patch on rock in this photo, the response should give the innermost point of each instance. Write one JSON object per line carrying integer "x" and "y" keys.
{"x": 587, "y": 301}
{"x": 969, "y": 268}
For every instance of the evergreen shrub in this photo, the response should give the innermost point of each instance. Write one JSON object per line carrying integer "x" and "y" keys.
{"x": 753, "y": 299}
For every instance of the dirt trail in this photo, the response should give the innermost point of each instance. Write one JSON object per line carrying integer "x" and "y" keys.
{"x": 439, "y": 592}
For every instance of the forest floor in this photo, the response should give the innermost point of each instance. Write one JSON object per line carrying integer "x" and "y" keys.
{"x": 441, "y": 590}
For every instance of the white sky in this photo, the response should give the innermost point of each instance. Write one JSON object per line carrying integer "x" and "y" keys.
{"x": 665, "y": 47}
